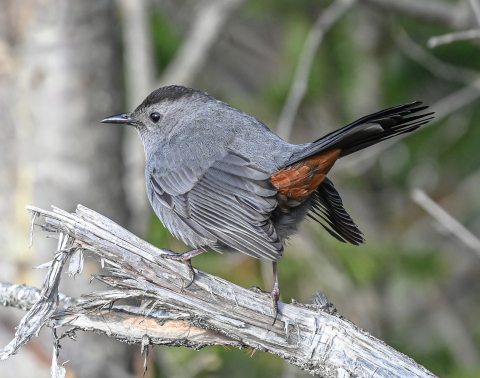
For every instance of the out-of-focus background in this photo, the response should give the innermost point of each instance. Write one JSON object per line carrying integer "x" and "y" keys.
{"x": 65, "y": 65}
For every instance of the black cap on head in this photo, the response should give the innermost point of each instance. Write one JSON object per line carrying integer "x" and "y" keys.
{"x": 170, "y": 93}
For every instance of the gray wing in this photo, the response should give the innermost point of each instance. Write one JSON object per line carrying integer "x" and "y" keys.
{"x": 229, "y": 202}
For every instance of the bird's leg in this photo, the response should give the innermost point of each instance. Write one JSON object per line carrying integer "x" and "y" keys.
{"x": 186, "y": 258}
{"x": 274, "y": 294}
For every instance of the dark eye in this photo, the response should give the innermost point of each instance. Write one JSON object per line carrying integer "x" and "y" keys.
{"x": 155, "y": 117}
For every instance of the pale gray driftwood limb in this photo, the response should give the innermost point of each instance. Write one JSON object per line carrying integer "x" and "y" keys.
{"x": 211, "y": 311}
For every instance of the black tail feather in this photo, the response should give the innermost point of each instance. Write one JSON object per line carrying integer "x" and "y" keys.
{"x": 387, "y": 134}
{"x": 368, "y": 131}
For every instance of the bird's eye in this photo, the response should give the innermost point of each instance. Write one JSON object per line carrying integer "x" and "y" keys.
{"x": 155, "y": 117}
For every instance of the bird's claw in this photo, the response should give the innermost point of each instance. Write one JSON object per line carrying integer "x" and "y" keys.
{"x": 188, "y": 264}
{"x": 186, "y": 258}
{"x": 257, "y": 290}
{"x": 274, "y": 295}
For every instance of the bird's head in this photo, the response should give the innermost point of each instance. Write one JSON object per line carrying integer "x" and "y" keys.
{"x": 164, "y": 110}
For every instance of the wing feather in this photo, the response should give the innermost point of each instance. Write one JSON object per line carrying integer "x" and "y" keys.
{"x": 229, "y": 202}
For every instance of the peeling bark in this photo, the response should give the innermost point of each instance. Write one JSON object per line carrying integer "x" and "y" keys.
{"x": 211, "y": 311}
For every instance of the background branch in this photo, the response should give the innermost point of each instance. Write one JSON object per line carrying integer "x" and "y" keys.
{"x": 304, "y": 65}
{"x": 456, "y": 16}
{"x": 211, "y": 311}
{"x": 429, "y": 61}
{"x": 193, "y": 53}
{"x": 453, "y": 37}
{"x": 446, "y": 220}
{"x": 461, "y": 35}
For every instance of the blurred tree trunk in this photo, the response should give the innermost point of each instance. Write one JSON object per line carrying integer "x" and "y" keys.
{"x": 60, "y": 74}
{"x": 139, "y": 73}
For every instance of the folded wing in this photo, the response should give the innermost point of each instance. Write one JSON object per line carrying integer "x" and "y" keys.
{"x": 229, "y": 202}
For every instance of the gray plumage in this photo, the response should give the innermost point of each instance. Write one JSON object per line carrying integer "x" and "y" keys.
{"x": 208, "y": 170}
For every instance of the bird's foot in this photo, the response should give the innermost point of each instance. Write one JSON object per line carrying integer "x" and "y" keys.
{"x": 186, "y": 258}
{"x": 274, "y": 295}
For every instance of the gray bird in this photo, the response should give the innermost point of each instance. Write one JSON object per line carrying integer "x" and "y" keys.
{"x": 220, "y": 179}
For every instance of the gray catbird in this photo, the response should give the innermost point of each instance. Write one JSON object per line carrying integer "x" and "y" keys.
{"x": 219, "y": 178}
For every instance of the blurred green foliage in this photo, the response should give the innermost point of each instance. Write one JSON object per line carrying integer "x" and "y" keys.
{"x": 165, "y": 39}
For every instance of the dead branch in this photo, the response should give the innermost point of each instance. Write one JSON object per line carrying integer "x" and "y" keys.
{"x": 125, "y": 323}
{"x": 211, "y": 311}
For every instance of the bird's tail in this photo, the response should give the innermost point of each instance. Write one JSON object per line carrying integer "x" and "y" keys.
{"x": 368, "y": 131}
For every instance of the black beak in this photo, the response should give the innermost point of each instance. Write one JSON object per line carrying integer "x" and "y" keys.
{"x": 124, "y": 119}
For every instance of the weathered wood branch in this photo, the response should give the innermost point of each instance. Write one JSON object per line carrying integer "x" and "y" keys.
{"x": 211, "y": 311}
{"x": 125, "y": 323}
